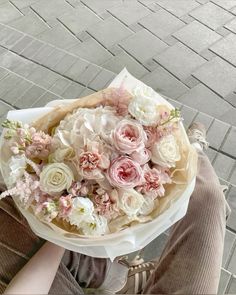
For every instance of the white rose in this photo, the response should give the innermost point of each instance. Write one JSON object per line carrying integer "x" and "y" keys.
{"x": 166, "y": 152}
{"x": 96, "y": 227}
{"x": 144, "y": 107}
{"x": 82, "y": 210}
{"x": 130, "y": 201}
{"x": 55, "y": 178}
{"x": 147, "y": 206}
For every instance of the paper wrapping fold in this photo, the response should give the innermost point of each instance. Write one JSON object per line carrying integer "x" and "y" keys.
{"x": 170, "y": 208}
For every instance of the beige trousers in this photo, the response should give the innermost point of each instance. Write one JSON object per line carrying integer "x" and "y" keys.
{"x": 189, "y": 264}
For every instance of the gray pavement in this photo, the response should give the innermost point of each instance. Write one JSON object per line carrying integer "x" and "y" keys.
{"x": 184, "y": 49}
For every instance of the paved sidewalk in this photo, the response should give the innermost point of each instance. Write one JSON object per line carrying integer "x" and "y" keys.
{"x": 185, "y": 49}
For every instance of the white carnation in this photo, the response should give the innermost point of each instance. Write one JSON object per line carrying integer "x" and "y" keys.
{"x": 82, "y": 210}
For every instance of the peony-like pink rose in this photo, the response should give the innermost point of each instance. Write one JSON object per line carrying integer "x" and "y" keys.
{"x": 142, "y": 156}
{"x": 129, "y": 136}
{"x": 125, "y": 173}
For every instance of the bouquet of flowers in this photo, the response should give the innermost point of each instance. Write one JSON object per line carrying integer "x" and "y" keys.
{"x": 98, "y": 165}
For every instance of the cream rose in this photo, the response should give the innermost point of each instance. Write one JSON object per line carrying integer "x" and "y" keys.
{"x": 166, "y": 152}
{"x": 55, "y": 178}
{"x": 130, "y": 201}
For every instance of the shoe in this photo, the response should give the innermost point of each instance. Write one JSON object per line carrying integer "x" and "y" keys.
{"x": 138, "y": 274}
{"x": 197, "y": 135}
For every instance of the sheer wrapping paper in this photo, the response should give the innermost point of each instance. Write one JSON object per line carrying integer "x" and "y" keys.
{"x": 169, "y": 209}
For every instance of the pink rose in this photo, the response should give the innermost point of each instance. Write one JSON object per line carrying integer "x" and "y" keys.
{"x": 125, "y": 173}
{"x": 142, "y": 156}
{"x": 129, "y": 136}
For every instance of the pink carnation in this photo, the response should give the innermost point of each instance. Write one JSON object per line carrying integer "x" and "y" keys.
{"x": 65, "y": 206}
{"x": 129, "y": 136}
{"x": 153, "y": 182}
{"x": 125, "y": 173}
{"x": 151, "y": 133}
{"x": 142, "y": 156}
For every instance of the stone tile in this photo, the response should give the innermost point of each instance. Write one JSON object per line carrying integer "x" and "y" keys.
{"x": 25, "y": 67}
{"x": 130, "y": 12}
{"x": 6, "y": 84}
{"x": 10, "y": 61}
{"x": 211, "y": 154}
{"x": 50, "y": 9}
{"x": 44, "y": 99}
{"x": 13, "y": 94}
{"x": 118, "y": 62}
{"x": 182, "y": 66}
{"x": 32, "y": 49}
{"x": 224, "y": 279}
{"x": 223, "y": 31}
{"x": 163, "y": 82}
{"x": 60, "y": 85}
{"x": 218, "y": 75}
{"x": 102, "y": 80}
{"x": 230, "y": 239}
{"x": 88, "y": 74}
{"x": 92, "y": 51}
{"x": 59, "y": 36}
{"x": 28, "y": 98}
{"x": 3, "y": 73}
{"x": 223, "y": 166}
{"x": 155, "y": 248}
{"x": 23, "y": 3}
{"x": 30, "y": 24}
{"x": 175, "y": 103}
{"x": 233, "y": 177}
{"x": 9, "y": 37}
{"x": 109, "y": 32}
{"x": 178, "y": 8}
{"x": 136, "y": 45}
{"x": 226, "y": 4}
{"x": 231, "y": 98}
{"x": 231, "y": 25}
{"x": 100, "y": 7}
{"x": 22, "y": 44}
{"x": 76, "y": 69}
{"x": 204, "y": 119}
{"x": 196, "y": 36}
{"x": 203, "y": 99}
{"x": 8, "y": 12}
{"x": 226, "y": 48}
{"x": 232, "y": 285}
{"x": 79, "y": 19}
{"x": 65, "y": 63}
{"x": 43, "y": 77}
{"x": 54, "y": 58}
{"x": 229, "y": 146}
{"x": 161, "y": 23}
{"x": 191, "y": 82}
{"x": 217, "y": 133}
{"x": 188, "y": 115}
{"x": 43, "y": 53}
{"x": 211, "y": 15}
{"x": 4, "y": 108}
{"x": 86, "y": 92}
{"x": 232, "y": 261}
{"x": 3, "y": 51}
{"x": 73, "y": 91}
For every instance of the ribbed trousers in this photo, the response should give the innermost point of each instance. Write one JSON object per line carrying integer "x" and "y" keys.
{"x": 189, "y": 264}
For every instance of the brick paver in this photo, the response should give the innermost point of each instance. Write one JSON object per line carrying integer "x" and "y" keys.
{"x": 184, "y": 49}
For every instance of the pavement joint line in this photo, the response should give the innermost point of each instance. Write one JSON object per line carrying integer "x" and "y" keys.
{"x": 216, "y": 4}
{"x": 223, "y": 153}
{"x": 16, "y": 7}
{"x": 134, "y": 58}
{"x": 91, "y": 9}
{"x": 7, "y": 103}
{"x": 119, "y": 20}
{"x": 221, "y": 56}
{"x": 229, "y": 283}
{"x": 231, "y": 229}
{"x": 39, "y": 16}
{"x": 66, "y": 27}
{"x": 99, "y": 43}
{"x": 214, "y": 91}
{"x": 170, "y": 71}
{"x": 147, "y": 6}
{"x": 70, "y": 4}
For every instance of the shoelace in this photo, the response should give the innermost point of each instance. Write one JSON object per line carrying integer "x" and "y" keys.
{"x": 198, "y": 136}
